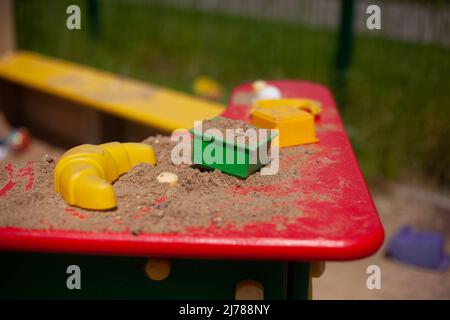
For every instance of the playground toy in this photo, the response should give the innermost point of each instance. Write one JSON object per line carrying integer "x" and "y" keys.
{"x": 426, "y": 249}
{"x": 207, "y": 87}
{"x": 12, "y": 139}
{"x": 262, "y": 91}
{"x": 18, "y": 139}
{"x": 287, "y": 115}
{"x": 310, "y": 105}
{"x": 235, "y": 158}
{"x": 84, "y": 174}
{"x": 344, "y": 227}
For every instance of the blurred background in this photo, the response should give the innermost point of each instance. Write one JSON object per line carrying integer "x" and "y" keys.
{"x": 391, "y": 85}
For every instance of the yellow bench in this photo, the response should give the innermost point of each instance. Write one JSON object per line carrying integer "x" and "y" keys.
{"x": 156, "y": 107}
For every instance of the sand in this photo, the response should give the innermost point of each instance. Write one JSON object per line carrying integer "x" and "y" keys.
{"x": 200, "y": 198}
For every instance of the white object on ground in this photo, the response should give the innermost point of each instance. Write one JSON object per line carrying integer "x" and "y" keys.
{"x": 265, "y": 91}
{"x": 168, "y": 177}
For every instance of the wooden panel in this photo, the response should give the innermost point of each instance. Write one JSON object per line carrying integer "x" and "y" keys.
{"x": 7, "y": 32}
{"x": 58, "y": 121}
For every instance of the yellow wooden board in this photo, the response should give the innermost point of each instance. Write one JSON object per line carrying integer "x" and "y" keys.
{"x": 157, "y": 107}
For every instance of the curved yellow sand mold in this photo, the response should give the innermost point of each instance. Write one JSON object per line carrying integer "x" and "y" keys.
{"x": 84, "y": 174}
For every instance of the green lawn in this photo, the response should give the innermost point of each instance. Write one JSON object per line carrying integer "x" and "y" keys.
{"x": 396, "y": 105}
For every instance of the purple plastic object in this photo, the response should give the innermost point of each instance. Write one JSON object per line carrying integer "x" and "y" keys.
{"x": 422, "y": 248}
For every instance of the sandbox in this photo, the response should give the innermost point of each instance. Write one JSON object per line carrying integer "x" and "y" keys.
{"x": 317, "y": 207}
{"x": 200, "y": 199}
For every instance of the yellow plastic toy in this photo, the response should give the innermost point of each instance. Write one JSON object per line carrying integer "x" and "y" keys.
{"x": 310, "y": 105}
{"x": 207, "y": 87}
{"x": 296, "y": 126}
{"x": 84, "y": 174}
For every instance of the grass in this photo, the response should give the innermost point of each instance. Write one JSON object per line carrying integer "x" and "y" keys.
{"x": 395, "y": 103}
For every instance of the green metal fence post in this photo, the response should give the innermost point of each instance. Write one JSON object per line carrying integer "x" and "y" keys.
{"x": 344, "y": 48}
{"x": 92, "y": 15}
